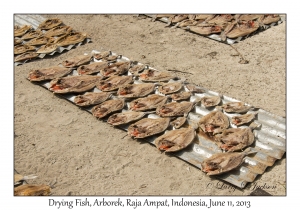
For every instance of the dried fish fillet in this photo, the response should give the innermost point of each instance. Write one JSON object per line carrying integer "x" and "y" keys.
{"x": 22, "y": 48}
{"x": 214, "y": 122}
{"x": 178, "y": 122}
{"x": 40, "y": 40}
{"x": 70, "y": 39}
{"x": 58, "y": 31}
{"x": 47, "y": 48}
{"x": 169, "y": 88}
{"x": 125, "y": 117}
{"x": 32, "y": 34}
{"x": 194, "y": 88}
{"x": 48, "y": 73}
{"x": 175, "y": 140}
{"x": 92, "y": 68}
{"x": 26, "y": 56}
{"x": 175, "y": 109}
{"x": 221, "y": 19}
{"x": 50, "y": 23}
{"x": 243, "y": 28}
{"x": 117, "y": 68}
{"x": 76, "y": 61}
{"x": 148, "y": 103}
{"x": 136, "y": 69}
{"x": 32, "y": 190}
{"x": 181, "y": 96}
{"x": 151, "y": 75}
{"x": 236, "y": 107}
{"x": 148, "y": 127}
{"x": 108, "y": 107}
{"x": 234, "y": 139}
{"x": 114, "y": 82}
{"x": 101, "y": 55}
{"x": 268, "y": 19}
{"x": 20, "y": 31}
{"x": 136, "y": 90}
{"x": 206, "y": 30}
{"x": 91, "y": 98}
{"x": 243, "y": 119}
{"x": 210, "y": 101}
{"x": 17, "y": 41}
{"x": 223, "y": 162}
{"x": 75, "y": 84}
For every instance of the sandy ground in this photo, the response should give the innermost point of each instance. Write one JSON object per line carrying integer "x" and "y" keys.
{"x": 84, "y": 156}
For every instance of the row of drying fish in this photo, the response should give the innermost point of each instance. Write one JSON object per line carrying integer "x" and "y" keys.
{"x": 122, "y": 83}
{"x": 226, "y": 25}
{"x": 23, "y": 189}
{"x": 51, "y": 34}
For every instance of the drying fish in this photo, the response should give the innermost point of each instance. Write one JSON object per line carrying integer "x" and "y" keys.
{"x": 47, "y": 48}
{"x": 70, "y": 39}
{"x": 76, "y": 61}
{"x": 205, "y": 29}
{"x": 58, "y": 31}
{"x": 151, "y": 75}
{"x": 114, "y": 82}
{"x": 268, "y": 19}
{"x": 159, "y": 16}
{"x": 248, "y": 17}
{"x": 175, "y": 140}
{"x": 40, "y": 40}
{"x": 136, "y": 90}
{"x": 148, "y": 127}
{"x": 185, "y": 23}
{"x": 210, "y": 101}
{"x": 32, "y": 190}
{"x": 221, "y": 19}
{"x": 91, "y": 98}
{"x": 50, "y": 23}
{"x": 48, "y": 73}
{"x": 223, "y": 162}
{"x": 112, "y": 58}
{"x": 214, "y": 122}
{"x": 234, "y": 139}
{"x": 20, "y": 31}
{"x": 242, "y": 119}
{"x": 32, "y": 34}
{"x": 148, "y": 103}
{"x": 169, "y": 88}
{"x": 17, "y": 41}
{"x": 125, "y": 117}
{"x": 176, "y": 18}
{"x": 240, "y": 29}
{"x": 75, "y": 84}
{"x": 194, "y": 88}
{"x": 236, "y": 107}
{"x": 178, "y": 122}
{"x": 18, "y": 178}
{"x": 26, "y": 56}
{"x": 181, "y": 96}
{"x": 108, "y": 107}
{"x": 22, "y": 48}
{"x": 175, "y": 109}
{"x": 101, "y": 55}
{"x": 92, "y": 68}
{"x": 135, "y": 69}
{"x": 117, "y": 68}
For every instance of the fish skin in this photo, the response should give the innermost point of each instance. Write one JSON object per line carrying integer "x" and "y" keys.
{"x": 107, "y": 107}
{"x": 148, "y": 103}
{"x": 214, "y": 122}
{"x": 174, "y": 109}
{"x": 48, "y": 73}
{"x": 114, "y": 83}
{"x": 125, "y": 117}
{"x": 91, "y": 98}
{"x": 136, "y": 90}
{"x": 76, "y": 61}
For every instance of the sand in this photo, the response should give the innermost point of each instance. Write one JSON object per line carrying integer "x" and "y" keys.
{"x": 65, "y": 145}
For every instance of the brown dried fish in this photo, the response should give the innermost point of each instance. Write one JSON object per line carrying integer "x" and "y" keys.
{"x": 176, "y": 18}
{"x": 20, "y": 31}
{"x": 101, "y": 55}
{"x": 236, "y": 107}
{"x": 58, "y": 31}
{"x": 17, "y": 41}
{"x": 114, "y": 82}
{"x": 48, "y": 73}
{"x": 75, "y": 84}
{"x": 206, "y": 30}
{"x": 210, "y": 101}
{"x": 242, "y": 28}
{"x": 135, "y": 69}
{"x": 148, "y": 127}
{"x": 175, "y": 140}
{"x": 248, "y": 17}
{"x": 40, "y": 40}
{"x": 148, "y": 103}
{"x": 185, "y": 23}
{"x": 76, "y": 61}
{"x": 169, "y": 88}
{"x": 234, "y": 139}
{"x": 26, "y": 56}
{"x": 32, "y": 190}
{"x": 108, "y": 107}
{"x": 91, "y": 98}
{"x": 117, "y": 68}
{"x": 47, "y": 48}
{"x": 22, "y": 48}
{"x": 181, "y": 96}
{"x": 92, "y": 68}
{"x": 221, "y": 19}
{"x": 136, "y": 90}
{"x": 269, "y": 18}
{"x": 151, "y": 75}
{"x": 178, "y": 122}
{"x": 223, "y": 162}
{"x": 32, "y": 34}
{"x": 194, "y": 88}
{"x": 125, "y": 117}
{"x": 175, "y": 109}
{"x": 50, "y": 23}
{"x": 70, "y": 39}
{"x": 242, "y": 119}
{"x": 214, "y": 122}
